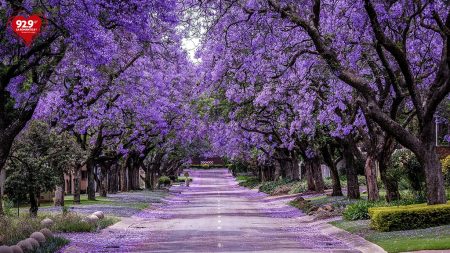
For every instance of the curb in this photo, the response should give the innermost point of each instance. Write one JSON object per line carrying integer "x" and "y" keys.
{"x": 353, "y": 240}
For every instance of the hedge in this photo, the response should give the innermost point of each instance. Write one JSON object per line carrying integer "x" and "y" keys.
{"x": 409, "y": 217}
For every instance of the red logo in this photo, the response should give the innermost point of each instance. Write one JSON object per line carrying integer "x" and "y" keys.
{"x": 27, "y": 28}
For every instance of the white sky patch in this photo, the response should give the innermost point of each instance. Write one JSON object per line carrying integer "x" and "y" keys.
{"x": 190, "y": 45}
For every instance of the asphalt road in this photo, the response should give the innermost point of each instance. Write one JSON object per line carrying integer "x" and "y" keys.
{"x": 214, "y": 214}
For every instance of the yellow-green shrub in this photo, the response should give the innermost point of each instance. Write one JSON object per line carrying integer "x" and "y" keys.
{"x": 445, "y": 165}
{"x": 409, "y": 217}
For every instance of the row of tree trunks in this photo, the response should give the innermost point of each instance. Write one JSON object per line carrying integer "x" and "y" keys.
{"x": 314, "y": 176}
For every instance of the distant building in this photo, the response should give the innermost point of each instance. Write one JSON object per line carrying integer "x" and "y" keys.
{"x": 69, "y": 181}
{"x": 211, "y": 161}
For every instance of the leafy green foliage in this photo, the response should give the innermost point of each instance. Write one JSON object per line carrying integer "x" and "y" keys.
{"x": 404, "y": 165}
{"x": 248, "y": 181}
{"x": 38, "y": 160}
{"x": 409, "y": 217}
{"x": 358, "y": 210}
{"x": 52, "y": 245}
{"x": 435, "y": 238}
{"x": 183, "y": 179}
{"x": 164, "y": 180}
{"x": 270, "y": 186}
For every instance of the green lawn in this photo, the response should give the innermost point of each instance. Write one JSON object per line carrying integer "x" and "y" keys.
{"x": 68, "y": 201}
{"x": 436, "y": 238}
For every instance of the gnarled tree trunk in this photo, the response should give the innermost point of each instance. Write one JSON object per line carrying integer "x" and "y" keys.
{"x": 371, "y": 178}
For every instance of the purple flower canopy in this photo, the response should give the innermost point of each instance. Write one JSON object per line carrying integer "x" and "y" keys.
{"x": 273, "y": 75}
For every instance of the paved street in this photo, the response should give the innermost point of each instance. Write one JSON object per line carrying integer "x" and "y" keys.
{"x": 213, "y": 215}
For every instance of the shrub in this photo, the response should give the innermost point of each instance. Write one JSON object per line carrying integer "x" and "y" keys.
{"x": 183, "y": 179}
{"x": 298, "y": 187}
{"x": 270, "y": 186}
{"x": 72, "y": 222}
{"x": 15, "y": 229}
{"x": 409, "y": 217}
{"x": 248, "y": 181}
{"x": 404, "y": 164}
{"x": 52, "y": 245}
{"x": 446, "y": 168}
{"x": 358, "y": 210}
{"x": 164, "y": 180}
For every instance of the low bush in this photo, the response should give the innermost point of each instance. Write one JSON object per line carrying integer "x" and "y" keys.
{"x": 14, "y": 229}
{"x": 183, "y": 179}
{"x": 164, "y": 180}
{"x": 409, "y": 217}
{"x": 72, "y": 222}
{"x": 358, "y": 210}
{"x": 52, "y": 245}
{"x": 270, "y": 186}
{"x": 248, "y": 181}
{"x": 299, "y": 187}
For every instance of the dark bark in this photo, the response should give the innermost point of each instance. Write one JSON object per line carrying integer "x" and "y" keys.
{"x": 103, "y": 185}
{"x": 123, "y": 179}
{"x": 113, "y": 179}
{"x": 317, "y": 174}
{"x": 391, "y": 185}
{"x": 309, "y": 175}
{"x": 314, "y": 174}
{"x": 295, "y": 169}
{"x": 77, "y": 185}
{"x": 34, "y": 203}
{"x": 371, "y": 178}
{"x": 433, "y": 176}
{"x": 351, "y": 170}
{"x": 329, "y": 161}
{"x": 91, "y": 179}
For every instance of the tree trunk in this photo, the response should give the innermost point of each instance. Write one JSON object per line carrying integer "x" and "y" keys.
{"x": 103, "y": 185}
{"x": 33, "y": 203}
{"x": 328, "y": 159}
{"x": 148, "y": 178}
{"x": 317, "y": 174}
{"x": 277, "y": 171}
{"x": 91, "y": 179}
{"x": 310, "y": 175}
{"x": 153, "y": 181}
{"x": 113, "y": 179}
{"x": 295, "y": 169}
{"x": 77, "y": 185}
{"x": 5, "y": 146}
{"x": 371, "y": 178}
{"x": 2, "y": 187}
{"x": 123, "y": 179}
{"x": 352, "y": 175}
{"x": 433, "y": 176}
{"x": 59, "y": 192}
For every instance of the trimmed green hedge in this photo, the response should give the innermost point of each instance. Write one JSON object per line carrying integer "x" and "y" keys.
{"x": 409, "y": 217}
